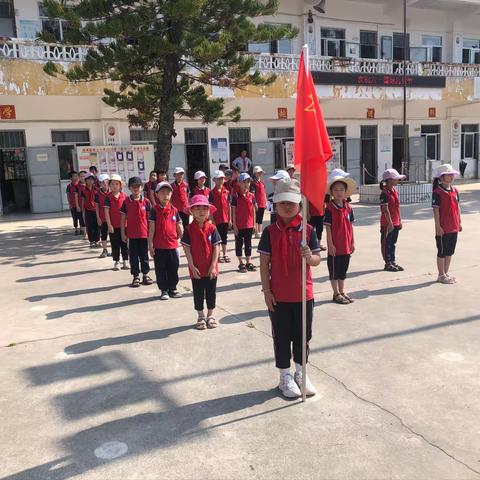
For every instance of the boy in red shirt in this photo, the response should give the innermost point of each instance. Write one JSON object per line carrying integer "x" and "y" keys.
{"x": 201, "y": 244}
{"x": 100, "y": 198}
{"x": 150, "y": 186}
{"x": 281, "y": 274}
{"x": 180, "y": 195}
{"x": 165, "y": 229}
{"x": 90, "y": 210}
{"x": 219, "y": 198}
{"x": 448, "y": 221}
{"x": 200, "y": 189}
{"x": 78, "y": 201}
{"x": 71, "y": 189}
{"x": 340, "y": 239}
{"x": 113, "y": 217}
{"x": 390, "y": 219}
{"x": 134, "y": 226}
{"x": 260, "y": 198}
{"x": 243, "y": 219}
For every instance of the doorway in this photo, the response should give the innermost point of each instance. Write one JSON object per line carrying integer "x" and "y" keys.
{"x": 13, "y": 172}
{"x": 368, "y": 153}
{"x": 399, "y": 156}
{"x": 196, "y": 149}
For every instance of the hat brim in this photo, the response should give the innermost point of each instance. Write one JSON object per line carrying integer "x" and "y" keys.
{"x": 453, "y": 172}
{"x": 212, "y": 208}
{"x": 350, "y": 182}
{"x": 397, "y": 177}
{"x": 287, "y": 197}
{"x": 164, "y": 186}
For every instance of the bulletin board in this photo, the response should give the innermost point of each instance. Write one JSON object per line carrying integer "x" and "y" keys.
{"x": 127, "y": 161}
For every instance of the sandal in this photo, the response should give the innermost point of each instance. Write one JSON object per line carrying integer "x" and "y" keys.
{"x": 340, "y": 299}
{"x": 242, "y": 268}
{"x": 201, "y": 325}
{"x": 398, "y": 267}
{"x": 211, "y": 322}
{"x": 221, "y": 259}
{"x": 135, "y": 282}
{"x": 251, "y": 267}
{"x": 445, "y": 279}
{"x": 147, "y": 280}
{"x": 350, "y": 300}
{"x": 390, "y": 267}
{"x": 227, "y": 259}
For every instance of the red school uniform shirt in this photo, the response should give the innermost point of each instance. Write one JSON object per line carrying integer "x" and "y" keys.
{"x": 282, "y": 243}
{"x": 220, "y": 199}
{"x": 166, "y": 220}
{"x": 88, "y": 195}
{"x": 448, "y": 202}
{"x": 180, "y": 196}
{"x": 260, "y": 195}
{"x": 79, "y": 191}
{"x": 136, "y": 212}
{"x": 200, "y": 191}
{"x": 114, "y": 204}
{"x": 71, "y": 189}
{"x": 202, "y": 242}
{"x": 244, "y": 209}
{"x": 340, "y": 220}
{"x": 100, "y": 198}
{"x": 389, "y": 197}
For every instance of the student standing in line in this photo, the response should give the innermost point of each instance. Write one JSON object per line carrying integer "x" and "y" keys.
{"x": 180, "y": 195}
{"x": 201, "y": 243}
{"x": 290, "y": 168}
{"x": 165, "y": 230}
{"x": 94, "y": 171}
{"x": 281, "y": 255}
{"x": 79, "y": 201}
{"x": 90, "y": 210}
{"x": 200, "y": 189}
{"x": 100, "y": 198}
{"x": 219, "y": 198}
{"x": 135, "y": 210}
{"x": 448, "y": 221}
{"x": 71, "y": 189}
{"x": 280, "y": 175}
{"x": 149, "y": 190}
{"x": 260, "y": 198}
{"x": 390, "y": 220}
{"x": 316, "y": 218}
{"x": 340, "y": 238}
{"x": 244, "y": 208}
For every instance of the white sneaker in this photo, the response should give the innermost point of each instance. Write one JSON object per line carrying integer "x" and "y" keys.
{"x": 115, "y": 267}
{"x": 164, "y": 295}
{"x": 309, "y": 387}
{"x": 288, "y": 387}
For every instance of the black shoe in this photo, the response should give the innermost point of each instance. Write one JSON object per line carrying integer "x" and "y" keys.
{"x": 390, "y": 267}
{"x": 398, "y": 267}
{"x": 174, "y": 294}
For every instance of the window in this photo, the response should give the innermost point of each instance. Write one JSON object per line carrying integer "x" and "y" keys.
{"x": 278, "y": 46}
{"x": 280, "y": 132}
{"x": 144, "y": 137}
{"x": 281, "y": 138}
{"x": 387, "y": 48}
{"x": 471, "y": 51}
{"x": 196, "y": 136}
{"x": 401, "y": 46}
{"x": 432, "y": 141}
{"x": 7, "y": 18}
{"x": 333, "y": 42}
{"x": 433, "y": 45}
{"x": 67, "y": 142}
{"x": 338, "y": 136}
{"x": 469, "y": 142}
{"x": 368, "y": 44}
{"x": 56, "y": 27}
{"x": 239, "y": 139}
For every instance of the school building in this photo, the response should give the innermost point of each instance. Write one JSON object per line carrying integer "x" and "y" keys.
{"x": 357, "y": 57}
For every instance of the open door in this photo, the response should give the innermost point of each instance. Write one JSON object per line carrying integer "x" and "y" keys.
{"x": 417, "y": 171}
{"x": 353, "y": 159}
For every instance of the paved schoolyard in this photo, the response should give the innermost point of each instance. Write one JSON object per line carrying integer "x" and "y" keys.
{"x": 100, "y": 381}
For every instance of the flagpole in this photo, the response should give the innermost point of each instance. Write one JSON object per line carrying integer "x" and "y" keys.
{"x": 304, "y": 270}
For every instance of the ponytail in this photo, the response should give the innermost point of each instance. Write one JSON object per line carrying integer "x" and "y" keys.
{"x": 436, "y": 183}
{"x": 382, "y": 184}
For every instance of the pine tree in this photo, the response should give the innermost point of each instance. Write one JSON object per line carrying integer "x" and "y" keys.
{"x": 163, "y": 56}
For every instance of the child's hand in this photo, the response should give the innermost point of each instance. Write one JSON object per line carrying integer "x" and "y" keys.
{"x": 212, "y": 272}
{"x": 390, "y": 228}
{"x": 439, "y": 231}
{"x": 270, "y": 301}
{"x": 235, "y": 230}
{"x": 111, "y": 229}
{"x": 460, "y": 228}
{"x": 306, "y": 252}
{"x": 124, "y": 238}
{"x": 79, "y": 210}
{"x": 352, "y": 248}
{"x": 195, "y": 272}
{"x": 99, "y": 222}
{"x": 400, "y": 226}
{"x": 332, "y": 250}
{"x": 151, "y": 250}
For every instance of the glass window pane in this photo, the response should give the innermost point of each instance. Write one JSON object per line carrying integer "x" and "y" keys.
{"x": 332, "y": 48}
{"x": 468, "y": 146}
{"x": 471, "y": 43}
{"x": 476, "y": 57}
{"x": 259, "y": 47}
{"x": 436, "y": 54}
{"x": 431, "y": 147}
{"x": 284, "y": 46}
{"x": 431, "y": 40}
{"x": 418, "y": 54}
{"x": 469, "y": 128}
{"x": 387, "y": 48}
{"x": 466, "y": 55}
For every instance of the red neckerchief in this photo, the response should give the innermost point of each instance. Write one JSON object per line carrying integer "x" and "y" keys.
{"x": 202, "y": 233}
{"x": 294, "y": 223}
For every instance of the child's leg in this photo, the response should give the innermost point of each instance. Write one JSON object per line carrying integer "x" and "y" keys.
{"x": 282, "y": 331}
{"x": 210, "y": 294}
{"x": 441, "y": 266}
{"x": 73, "y": 211}
{"x": 393, "y": 237}
{"x": 172, "y": 270}
{"x": 248, "y": 244}
{"x": 133, "y": 247}
{"x": 331, "y": 274}
{"x": 447, "y": 261}
{"x": 335, "y": 287}
{"x": 104, "y": 235}
{"x": 160, "y": 260}
{"x": 383, "y": 242}
{"x": 319, "y": 228}
{"x": 123, "y": 246}
{"x": 239, "y": 246}
{"x": 341, "y": 286}
{"x": 143, "y": 255}
{"x": 440, "y": 256}
{"x": 115, "y": 240}
{"x": 297, "y": 330}
{"x": 96, "y": 229}
{"x": 343, "y": 264}
{"x": 91, "y": 221}
{"x": 198, "y": 296}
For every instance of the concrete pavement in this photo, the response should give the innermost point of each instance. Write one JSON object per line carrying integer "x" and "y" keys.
{"x": 103, "y": 381}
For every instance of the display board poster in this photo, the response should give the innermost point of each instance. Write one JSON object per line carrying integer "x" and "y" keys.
{"x": 219, "y": 150}
{"x": 126, "y": 161}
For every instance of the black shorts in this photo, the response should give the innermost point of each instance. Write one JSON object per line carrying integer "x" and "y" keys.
{"x": 223, "y": 232}
{"x": 259, "y": 216}
{"x": 338, "y": 266}
{"x": 104, "y": 231}
{"x": 446, "y": 244}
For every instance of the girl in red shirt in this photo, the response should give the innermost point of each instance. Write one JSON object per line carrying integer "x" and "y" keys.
{"x": 219, "y": 198}
{"x": 100, "y": 198}
{"x": 448, "y": 221}
{"x": 78, "y": 201}
{"x": 71, "y": 190}
{"x": 150, "y": 186}
{"x": 201, "y": 244}
{"x": 200, "y": 188}
{"x": 90, "y": 210}
{"x": 180, "y": 195}
{"x": 390, "y": 220}
{"x": 340, "y": 239}
{"x": 281, "y": 274}
{"x": 260, "y": 198}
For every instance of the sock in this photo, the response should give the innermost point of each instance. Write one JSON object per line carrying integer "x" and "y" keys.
{"x": 283, "y": 371}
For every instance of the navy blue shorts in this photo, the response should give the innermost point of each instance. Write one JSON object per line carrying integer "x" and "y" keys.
{"x": 446, "y": 244}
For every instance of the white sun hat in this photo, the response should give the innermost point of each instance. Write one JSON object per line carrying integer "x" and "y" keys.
{"x": 280, "y": 175}
{"x": 178, "y": 170}
{"x": 287, "y": 191}
{"x": 199, "y": 175}
{"x": 102, "y": 177}
{"x": 115, "y": 176}
{"x": 218, "y": 174}
{"x": 257, "y": 169}
{"x": 445, "y": 169}
{"x": 338, "y": 175}
{"x": 392, "y": 174}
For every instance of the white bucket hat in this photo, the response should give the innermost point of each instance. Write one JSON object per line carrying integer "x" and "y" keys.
{"x": 199, "y": 175}
{"x": 102, "y": 177}
{"x": 218, "y": 174}
{"x": 445, "y": 169}
{"x": 338, "y": 175}
{"x": 287, "y": 191}
{"x": 281, "y": 175}
{"x": 115, "y": 176}
{"x": 257, "y": 169}
{"x": 178, "y": 170}
{"x": 290, "y": 166}
{"x": 392, "y": 174}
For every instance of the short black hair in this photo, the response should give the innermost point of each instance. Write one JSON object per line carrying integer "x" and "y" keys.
{"x": 72, "y": 173}
{"x": 161, "y": 172}
{"x": 82, "y": 171}
{"x": 92, "y": 168}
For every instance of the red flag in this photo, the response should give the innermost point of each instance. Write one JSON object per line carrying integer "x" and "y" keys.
{"x": 312, "y": 144}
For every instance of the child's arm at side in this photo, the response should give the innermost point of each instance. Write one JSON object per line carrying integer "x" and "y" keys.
{"x": 77, "y": 202}
{"x": 109, "y": 222}
{"x": 234, "y": 220}
{"x": 212, "y": 271}
{"x": 151, "y": 233}
{"x": 330, "y": 245}
{"x": 265, "y": 279}
{"x": 193, "y": 268}
{"x": 179, "y": 229}
{"x": 386, "y": 213}
{"x": 122, "y": 227}
{"x": 438, "y": 227}
{"x": 352, "y": 247}
{"x": 97, "y": 210}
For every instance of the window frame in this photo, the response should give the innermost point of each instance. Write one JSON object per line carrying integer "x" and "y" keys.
{"x": 429, "y": 136}
{"x": 341, "y": 45}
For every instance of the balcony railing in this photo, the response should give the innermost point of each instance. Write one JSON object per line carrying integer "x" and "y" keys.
{"x": 289, "y": 63}
{"x": 39, "y": 51}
